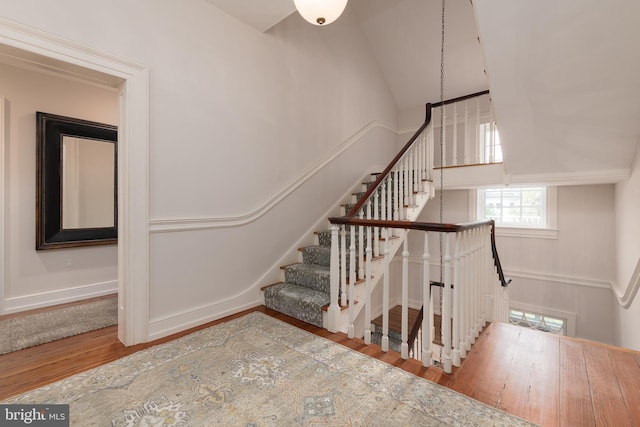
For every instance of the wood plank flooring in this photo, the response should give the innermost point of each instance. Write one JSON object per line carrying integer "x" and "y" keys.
{"x": 547, "y": 379}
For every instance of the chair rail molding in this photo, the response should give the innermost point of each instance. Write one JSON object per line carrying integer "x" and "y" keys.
{"x": 626, "y": 298}
{"x": 169, "y": 225}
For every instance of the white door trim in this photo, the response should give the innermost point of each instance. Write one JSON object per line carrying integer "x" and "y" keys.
{"x": 3, "y": 206}
{"x": 133, "y": 171}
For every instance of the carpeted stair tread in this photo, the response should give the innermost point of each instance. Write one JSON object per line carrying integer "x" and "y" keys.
{"x": 312, "y": 276}
{"x": 306, "y": 287}
{"x": 395, "y": 343}
{"x": 393, "y": 335}
{"x": 324, "y": 238}
{"x": 320, "y": 255}
{"x": 297, "y": 301}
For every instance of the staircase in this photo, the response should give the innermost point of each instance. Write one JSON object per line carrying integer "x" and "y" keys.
{"x": 304, "y": 292}
{"x": 321, "y": 289}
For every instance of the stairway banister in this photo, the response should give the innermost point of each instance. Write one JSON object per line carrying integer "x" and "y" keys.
{"x": 429, "y": 107}
{"x": 356, "y": 208}
{"x": 411, "y": 225}
{"x": 430, "y": 226}
{"x": 459, "y": 99}
{"x": 496, "y": 259}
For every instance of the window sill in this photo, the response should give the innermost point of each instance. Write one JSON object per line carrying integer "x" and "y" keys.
{"x": 533, "y": 233}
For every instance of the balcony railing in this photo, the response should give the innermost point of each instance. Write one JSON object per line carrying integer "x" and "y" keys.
{"x": 473, "y": 284}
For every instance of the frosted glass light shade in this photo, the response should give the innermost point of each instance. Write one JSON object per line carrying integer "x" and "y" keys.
{"x": 320, "y": 12}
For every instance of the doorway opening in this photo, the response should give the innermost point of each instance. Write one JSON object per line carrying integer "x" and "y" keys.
{"x": 53, "y": 55}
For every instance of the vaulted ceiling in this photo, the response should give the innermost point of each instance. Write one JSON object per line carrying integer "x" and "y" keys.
{"x": 564, "y": 76}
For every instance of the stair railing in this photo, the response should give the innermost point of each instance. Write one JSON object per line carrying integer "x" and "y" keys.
{"x": 470, "y": 132}
{"x": 414, "y": 335}
{"x": 381, "y": 214}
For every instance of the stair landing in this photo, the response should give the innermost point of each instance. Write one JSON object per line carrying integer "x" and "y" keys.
{"x": 395, "y": 318}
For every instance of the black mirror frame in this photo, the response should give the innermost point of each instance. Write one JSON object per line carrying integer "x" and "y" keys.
{"x": 50, "y": 129}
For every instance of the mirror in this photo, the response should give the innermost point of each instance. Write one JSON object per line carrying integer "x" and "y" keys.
{"x": 76, "y": 194}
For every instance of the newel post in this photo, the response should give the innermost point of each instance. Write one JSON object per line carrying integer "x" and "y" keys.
{"x": 334, "y": 275}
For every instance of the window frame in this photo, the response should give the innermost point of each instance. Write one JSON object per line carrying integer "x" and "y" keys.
{"x": 569, "y": 318}
{"x": 548, "y": 231}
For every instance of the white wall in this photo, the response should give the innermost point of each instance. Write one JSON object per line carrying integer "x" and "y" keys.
{"x": 628, "y": 250}
{"x": 39, "y": 278}
{"x": 572, "y": 273}
{"x": 236, "y": 118}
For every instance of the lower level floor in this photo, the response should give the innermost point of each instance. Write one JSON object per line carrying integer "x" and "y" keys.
{"x": 548, "y": 379}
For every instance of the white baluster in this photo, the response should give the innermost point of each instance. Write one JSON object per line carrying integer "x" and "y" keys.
{"x": 482, "y": 276}
{"x": 446, "y": 308}
{"x": 417, "y": 176}
{"x": 361, "y": 246}
{"x": 468, "y": 304}
{"x": 367, "y": 307}
{"x": 444, "y": 136}
{"x": 376, "y": 230}
{"x": 404, "y": 347}
{"x": 343, "y": 266}
{"x": 491, "y": 274}
{"x": 385, "y": 299}
{"x": 389, "y": 183}
{"x": 476, "y": 283}
{"x": 383, "y": 201}
{"x": 454, "y": 151}
{"x": 457, "y": 287}
{"x": 467, "y": 136}
{"x": 432, "y": 146}
{"x": 420, "y": 161}
{"x": 334, "y": 277}
{"x": 416, "y": 167}
{"x": 464, "y": 289}
{"x": 492, "y": 136}
{"x": 352, "y": 279}
{"x": 426, "y": 303}
{"x": 398, "y": 197}
{"x": 406, "y": 200}
{"x": 478, "y": 141}
{"x": 412, "y": 177}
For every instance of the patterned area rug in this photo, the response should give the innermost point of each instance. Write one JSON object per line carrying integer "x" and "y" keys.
{"x": 259, "y": 371}
{"x": 21, "y": 332}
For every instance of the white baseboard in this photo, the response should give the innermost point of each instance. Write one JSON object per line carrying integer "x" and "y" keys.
{"x": 198, "y": 316}
{"x": 47, "y": 299}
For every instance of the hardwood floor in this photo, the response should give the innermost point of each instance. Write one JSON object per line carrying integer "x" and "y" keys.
{"x": 550, "y": 380}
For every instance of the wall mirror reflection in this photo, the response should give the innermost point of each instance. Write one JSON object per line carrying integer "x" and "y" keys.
{"x": 76, "y": 193}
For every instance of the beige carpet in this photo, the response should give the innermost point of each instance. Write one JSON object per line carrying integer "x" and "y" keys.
{"x": 21, "y": 332}
{"x": 258, "y": 371}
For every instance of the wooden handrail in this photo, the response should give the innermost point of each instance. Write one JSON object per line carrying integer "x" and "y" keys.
{"x": 459, "y": 99}
{"x": 356, "y": 208}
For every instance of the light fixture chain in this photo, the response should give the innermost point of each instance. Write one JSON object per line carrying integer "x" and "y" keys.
{"x": 442, "y": 124}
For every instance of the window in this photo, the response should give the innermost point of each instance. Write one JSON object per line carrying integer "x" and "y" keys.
{"x": 541, "y": 322}
{"x": 490, "y": 143}
{"x": 517, "y": 211}
{"x": 514, "y": 207}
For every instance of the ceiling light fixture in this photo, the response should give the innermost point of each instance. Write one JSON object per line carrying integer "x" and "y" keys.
{"x": 320, "y": 12}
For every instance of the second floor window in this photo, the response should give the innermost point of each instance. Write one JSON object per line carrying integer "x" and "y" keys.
{"x": 490, "y": 148}
{"x": 514, "y": 206}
